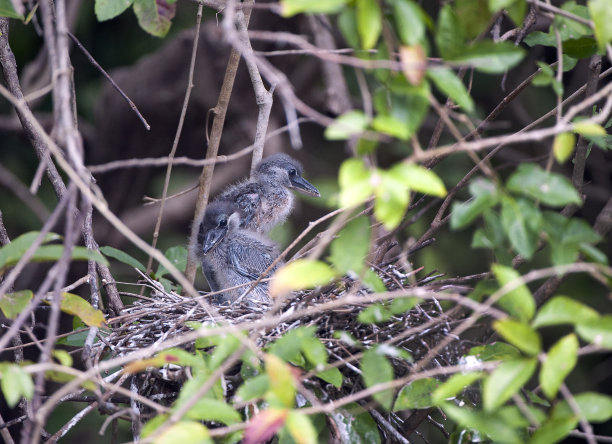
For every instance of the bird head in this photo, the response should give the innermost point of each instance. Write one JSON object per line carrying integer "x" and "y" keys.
{"x": 219, "y": 219}
{"x": 281, "y": 169}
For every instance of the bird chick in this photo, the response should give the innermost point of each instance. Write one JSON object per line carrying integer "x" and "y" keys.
{"x": 231, "y": 255}
{"x": 265, "y": 200}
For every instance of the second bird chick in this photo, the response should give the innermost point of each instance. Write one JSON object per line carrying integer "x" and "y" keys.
{"x": 232, "y": 256}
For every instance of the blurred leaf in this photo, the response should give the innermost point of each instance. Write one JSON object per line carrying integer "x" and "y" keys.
{"x": 593, "y": 254}
{"x": 108, "y": 9}
{"x": 518, "y": 302}
{"x": 601, "y": 13}
{"x": 357, "y": 425}
{"x": 177, "y": 257}
{"x": 418, "y": 178}
{"x": 155, "y": 16}
{"x": 589, "y": 129}
{"x": 347, "y": 22}
{"x": 567, "y": 236}
{"x": 485, "y": 195}
{"x": 331, "y": 375}
{"x": 281, "y": 392}
{"x": 569, "y": 28}
{"x": 490, "y": 57}
{"x": 347, "y": 125}
{"x": 563, "y": 146}
{"x": 374, "y": 314}
{"x": 253, "y": 388}
{"x": 349, "y": 249}
{"x": 207, "y": 409}
{"x": 401, "y": 305}
{"x": 454, "y": 385}
{"x": 554, "y": 430}
{"x": 520, "y": 335}
{"x": 550, "y": 188}
{"x": 597, "y": 331}
{"x": 264, "y": 425}
{"x": 416, "y": 394}
{"x": 184, "y": 432}
{"x": 227, "y": 346}
{"x": 505, "y": 381}
{"x": 580, "y": 48}
{"x": 14, "y": 303}
{"x": 369, "y": 22}
{"x": 289, "y": 345}
{"x": 373, "y": 281}
{"x": 301, "y": 429}
{"x": 448, "y": 83}
{"x": 123, "y": 257}
{"x": 516, "y": 215}
{"x": 376, "y": 369}
{"x": 314, "y": 351}
{"x": 63, "y": 357}
{"x": 299, "y": 275}
{"x": 495, "y": 352}
{"x": 12, "y": 252}
{"x": 293, "y": 7}
{"x": 450, "y": 37}
{"x": 517, "y": 11}
{"x": 410, "y": 21}
{"x": 473, "y": 15}
{"x": 596, "y": 407}
{"x": 77, "y": 306}
{"x": 392, "y": 198}
{"x": 7, "y": 10}
{"x": 489, "y": 423}
{"x": 563, "y": 310}
{"x": 355, "y": 183}
{"x": 15, "y": 383}
{"x": 559, "y": 362}
{"x": 496, "y": 5}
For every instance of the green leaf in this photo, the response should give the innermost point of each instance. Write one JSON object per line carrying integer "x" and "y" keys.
{"x": 289, "y": 345}
{"x": 416, "y": 394}
{"x": 418, "y": 178}
{"x": 347, "y": 125}
{"x": 601, "y": 13}
{"x": 253, "y": 388}
{"x": 410, "y": 21}
{"x": 77, "y": 306}
{"x": 373, "y": 281}
{"x": 355, "y": 182}
{"x": 185, "y": 432}
{"x": 596, "y": 407}
{"x": 392, "y": 198}
{"x": 401, "y": 305}
{"x": 63, "y": 357}
{"x": 474, "y": 17}
{"x": 15, "y": 383}
{"x": 449, "y": 36}
{"x": 369, "y": 22}
{"x": 228, "y": 344}
{"x": 300, "y": 427}
{"x": 293, "y": 7}
{"x": 314, "y": 351}
{"x": 448, "y": 83}
{"x": 550, "y": 188}
{"x": 518, "y": 302}
{"x": 554, "y": 430}
{"x": 516, "y": 216}
{"x": 331, "y": 375}
{"x": 374, "y": 314}
{"x": 517, "y": 11}
{"x": 347, "y": 22}
{"x": 281, "y": 392}
{"x": 559, "y": 362}
{"x": 299, "y": 275}
{"x": 357, "y": 425}
{"x": 7, "y": 10}
{"x": 580, "y": 48}
{"x": 14, "y": 303}
{"x": 598, "y": 331}
{"x": 177, "y": 257}
{"x": 11, "y": 253}
{"x": 520, "y": 335}
{"x": 496, "y": 5}
{"x": 485, "y": 195}
{"x": 563, "y": 310}
{"x": 498, "y": 351}
{"x": 349, "y": 249}
{"x": 490, "y": 57}
{"x": 154, "y": 16}
{"x": 492, "y": 424}
{"x": 388, "y": 124}
{"x": 376, "y": 369}
{"x": 563, "y": 146}
{"x": 505, "y": 381}
{"x": 586, "y": 128}
{"x": 207, "y": 409}
{"x": 454, "y": 385}
{"x": 567, "y": 236}
{"x": 108, "y": 9}
{"x": 123, "y": 257}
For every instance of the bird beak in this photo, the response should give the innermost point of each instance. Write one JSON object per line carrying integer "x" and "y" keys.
{"x": 213, "y": 237}
{"x": 303, "y": 186}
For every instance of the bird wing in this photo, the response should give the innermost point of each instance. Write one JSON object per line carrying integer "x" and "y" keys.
{"x": 251, "y": 261}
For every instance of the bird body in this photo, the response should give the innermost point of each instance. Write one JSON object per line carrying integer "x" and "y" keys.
{"x": 266, "y": 199}
{"x": 233, "y": 256}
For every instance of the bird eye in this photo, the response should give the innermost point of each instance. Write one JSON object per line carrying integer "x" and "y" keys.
{"x": 222, "y": 222}
{"x": 292, "y": 172}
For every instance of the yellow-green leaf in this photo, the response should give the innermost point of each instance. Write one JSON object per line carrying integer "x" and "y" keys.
{"x": 12, "y": 304}
{"x": 300, "y": 428}
{"x": 299, "y": 275}
{"x": 589, "y": 129}
{"x": 563, "y": 146}
{"x": 281, "y": 391}
{"x": 77, "y": 306}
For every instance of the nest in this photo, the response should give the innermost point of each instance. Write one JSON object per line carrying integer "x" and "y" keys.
{"x": 165, "y": 315}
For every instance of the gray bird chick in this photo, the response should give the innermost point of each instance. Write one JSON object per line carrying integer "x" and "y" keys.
{"x": 232, "y": 256}
{"x": 265, "y": 200}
